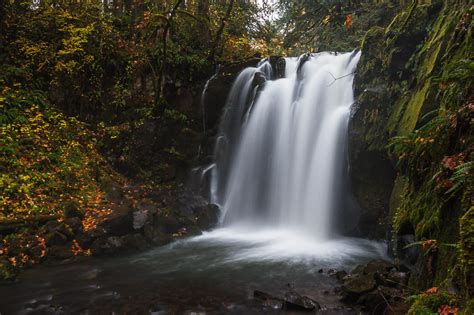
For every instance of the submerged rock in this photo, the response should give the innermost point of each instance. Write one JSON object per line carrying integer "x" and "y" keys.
{"x": 292, "y": 301}
{"x": 339, "y": 275}
{"x": 268, "y": 300}
{"x": 296, "y": 302}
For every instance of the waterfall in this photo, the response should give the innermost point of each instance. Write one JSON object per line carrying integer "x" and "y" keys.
{"x": 280, "y": 155}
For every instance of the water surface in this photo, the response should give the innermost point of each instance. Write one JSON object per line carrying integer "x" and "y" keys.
{"x": 216, "y": 272}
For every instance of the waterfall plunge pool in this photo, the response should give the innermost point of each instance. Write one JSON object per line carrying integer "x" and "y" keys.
{"x": 215, "y": 272}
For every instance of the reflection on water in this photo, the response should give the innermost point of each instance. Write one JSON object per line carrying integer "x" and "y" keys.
{"x": 214, "y": 272}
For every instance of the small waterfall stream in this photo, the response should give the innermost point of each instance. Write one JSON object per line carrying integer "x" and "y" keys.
{"x": 280, "y": 155}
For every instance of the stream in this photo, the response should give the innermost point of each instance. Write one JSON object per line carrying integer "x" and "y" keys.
{"x": 216, "y": 272}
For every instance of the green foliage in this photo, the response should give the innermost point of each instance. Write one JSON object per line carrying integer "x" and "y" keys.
{"x": 467, "y": 251}
{"x": 7, "y": 271}
{"x": 329, "y": 25}
{"x": 175, "y": 116}
{"x": 416, "y": 151}
{"x": 429, "y": 303}
{"x": 46, "y": 160}
{"x": 14, "y": 100}
{"x": 462, "y": 177}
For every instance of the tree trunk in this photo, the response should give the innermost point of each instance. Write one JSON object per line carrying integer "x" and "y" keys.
{"x": 164, "y": 64}
{"x": 215, "y": 48}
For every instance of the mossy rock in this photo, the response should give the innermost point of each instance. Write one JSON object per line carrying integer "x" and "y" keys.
{"x": 72, "y": 210}
{"x": 7, "y": 271}
{"x": 467, "y": 249}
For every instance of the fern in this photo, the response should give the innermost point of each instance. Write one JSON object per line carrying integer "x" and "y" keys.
{"x": 462, "y": 177}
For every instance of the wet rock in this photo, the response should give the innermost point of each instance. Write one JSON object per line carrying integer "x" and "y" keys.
{"x": 374, "y": 266}
{"x": 340, "y": 275}
{"x": 193, "y": 231}
{"x": 302, "y": 61}
{"x": 140, "y": 217}
{"x": 357, "y": 284}
{"x": 133, "y": 242}
{"x": 376, "y": 300}
{"x": 374, "y": 286}
{"x": 208, "y": 216}
{"x": 120, "y": 222}
{"x": 259, "y": 79}
{"x": 167, "y": 223}
{"x": 75, "y": 224}
{"x": 364, "y": 278}
{"x": 113, "y": 189}
{"x": 264, "y": 296}
{"x": 218, "y": 90}
{"x": 295, "y": 302}
{"x": 268, "y": 300}
{"x": 338, "y": 290}
{"x": 396, "y": 278}
{"x": 71, "y": 210}
{"x": 371, "y": 300}
{"x": 60, "y": 252}
{"x": 14, "y": 247}
{"x": 55, "y": 237}
{"x": 85, "y": 239}
{"x": 190, "y": 205}
{"x": 147, "y": 205}
{"x": 156, "y": 236}
{"x": 278, "y": 64}
{"x": 106, "y": 246}
{"x": 405, "y": 237}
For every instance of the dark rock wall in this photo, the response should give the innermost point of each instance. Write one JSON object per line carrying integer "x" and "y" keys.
{"x": 405, "y": 84}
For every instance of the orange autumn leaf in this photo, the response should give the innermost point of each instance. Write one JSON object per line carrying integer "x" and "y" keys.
{"x": 433, "y": 244}
{"x": 432, "y": 290}
{"x": 447, "y": 310}
{"x": 348, "y": 21}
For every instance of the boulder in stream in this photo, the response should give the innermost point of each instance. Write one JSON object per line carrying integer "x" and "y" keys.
{"x": 296, "y": 302}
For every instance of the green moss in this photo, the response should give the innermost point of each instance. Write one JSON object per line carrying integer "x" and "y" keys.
{"x": 469, "y": 307}
{"x": 421, "y": 63}
{"x": 417, "y": 206}
{"x": 396, "y": 114}
{"x": 467, "y": 249}
{"x": 400, "y": 189}
{"x": 413, "y": 109}
{"x": 372, "y": 38}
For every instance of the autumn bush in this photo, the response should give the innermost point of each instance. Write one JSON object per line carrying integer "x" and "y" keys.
{"x": 47, "y": 160}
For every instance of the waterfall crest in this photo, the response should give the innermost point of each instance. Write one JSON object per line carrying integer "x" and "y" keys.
{"x": 281, "y": 150}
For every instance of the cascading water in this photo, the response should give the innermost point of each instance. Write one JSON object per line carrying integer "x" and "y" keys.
{"x": 238, "y": 103}
{"x": 280, "y": 160}
{"x": 279, "y": 178}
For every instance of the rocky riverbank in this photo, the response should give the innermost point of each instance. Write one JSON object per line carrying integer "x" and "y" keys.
{"x": 378, "y": 287}
{"x": 138, "y": 218}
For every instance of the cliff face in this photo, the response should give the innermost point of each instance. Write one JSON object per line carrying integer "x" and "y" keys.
{"x": 411, "y": 141}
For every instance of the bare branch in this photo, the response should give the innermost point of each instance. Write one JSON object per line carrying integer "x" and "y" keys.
{"x": 335, "y": 79}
